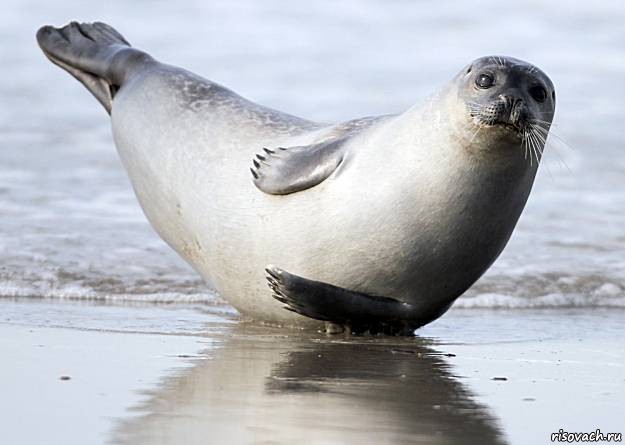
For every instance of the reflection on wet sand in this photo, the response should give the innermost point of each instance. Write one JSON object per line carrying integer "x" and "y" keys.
{"x": 266, "y": 386}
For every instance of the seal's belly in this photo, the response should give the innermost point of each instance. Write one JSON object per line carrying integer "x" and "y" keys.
{"x": 367, "y": 233}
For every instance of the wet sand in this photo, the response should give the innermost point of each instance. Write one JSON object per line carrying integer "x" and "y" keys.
{"x": 149, "y": 374}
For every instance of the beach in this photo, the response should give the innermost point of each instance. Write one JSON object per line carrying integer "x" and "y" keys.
{"x": 153, "y": 374}
{"x": 107, "y": 336}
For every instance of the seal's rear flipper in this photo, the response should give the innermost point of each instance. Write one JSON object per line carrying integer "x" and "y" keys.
{"x": 94, "y": 53}
{"x": 359, "y": 312}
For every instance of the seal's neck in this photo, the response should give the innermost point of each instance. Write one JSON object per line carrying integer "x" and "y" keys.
{"x": 455, "y": 135}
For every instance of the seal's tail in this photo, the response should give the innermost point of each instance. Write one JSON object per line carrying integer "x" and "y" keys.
{"x": 94, "y": 53}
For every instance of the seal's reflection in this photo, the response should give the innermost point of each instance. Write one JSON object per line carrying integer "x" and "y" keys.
{"x": 268, "y": 386}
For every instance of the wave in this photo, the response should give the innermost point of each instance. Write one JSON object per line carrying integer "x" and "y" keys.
{"x": 554, "y": 300}
{"x": 493, "y": 292}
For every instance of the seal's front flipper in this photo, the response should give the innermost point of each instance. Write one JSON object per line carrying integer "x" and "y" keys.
{"x": 322, "y": 301}
{"x": 280, "y": 171}
{"x": 94, "y": 53}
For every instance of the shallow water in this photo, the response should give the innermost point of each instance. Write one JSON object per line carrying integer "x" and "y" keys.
{"x": 171, "y": 374}
{"x": 472, "y": 381}
{"x": 70, "y": 226}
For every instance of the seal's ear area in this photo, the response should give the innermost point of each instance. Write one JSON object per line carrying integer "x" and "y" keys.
{"x": 280, "y": 171}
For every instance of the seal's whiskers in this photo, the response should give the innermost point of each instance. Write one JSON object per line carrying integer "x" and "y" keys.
{"x": 475, "y": 134}
{"x": 542, "y": 129}
{"x": 540, "y": 145}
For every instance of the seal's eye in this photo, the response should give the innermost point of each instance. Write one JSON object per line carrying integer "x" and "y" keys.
{"x": 485, "y": 80}
{"x": 538, "y": 93}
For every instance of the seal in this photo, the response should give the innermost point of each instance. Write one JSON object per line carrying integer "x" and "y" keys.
{"x": 377, "y": 224}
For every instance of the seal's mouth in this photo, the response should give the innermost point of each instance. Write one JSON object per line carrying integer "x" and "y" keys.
{"x": 516, "y": 127}
{"x": 504, "y": 112}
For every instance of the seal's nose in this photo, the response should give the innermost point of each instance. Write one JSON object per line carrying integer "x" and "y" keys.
{"x": 518, "y": 113}
{"x": 515, "y": 110}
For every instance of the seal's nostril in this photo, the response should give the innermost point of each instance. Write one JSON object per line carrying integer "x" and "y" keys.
{"x": 519, "y": 113}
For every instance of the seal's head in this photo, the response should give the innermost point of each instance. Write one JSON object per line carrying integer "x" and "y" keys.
{"x": 509, "y": 94}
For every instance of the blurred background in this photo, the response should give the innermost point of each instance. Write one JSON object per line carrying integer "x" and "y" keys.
{"x": 70, "y": 226}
